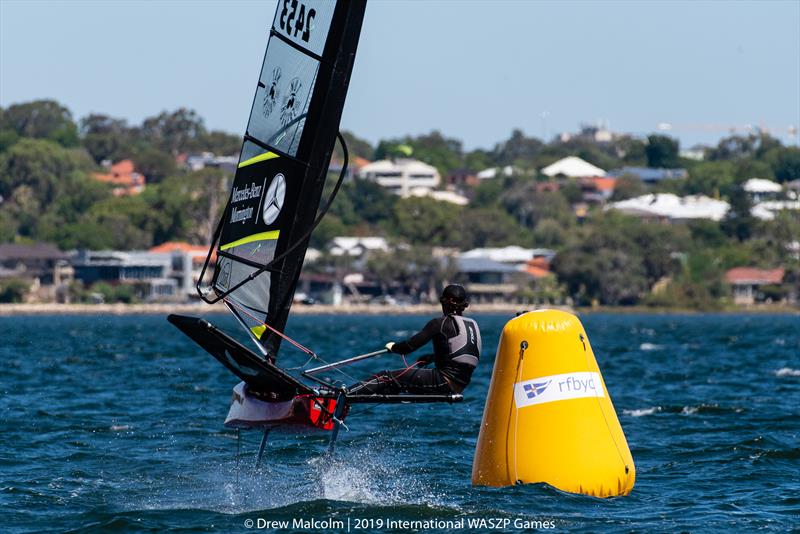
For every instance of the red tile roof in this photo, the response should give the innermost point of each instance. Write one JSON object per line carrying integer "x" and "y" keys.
{"x": 604, "y": 184}
{"x": 751, "y": 275}
{"x": 124, "y": 176}
{"x": 538, "y": 268}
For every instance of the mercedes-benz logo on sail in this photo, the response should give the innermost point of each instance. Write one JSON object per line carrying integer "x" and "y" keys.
{"x": 276, "y": 192}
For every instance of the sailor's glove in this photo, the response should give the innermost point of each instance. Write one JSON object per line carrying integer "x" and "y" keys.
{"x": 389, "y": 346}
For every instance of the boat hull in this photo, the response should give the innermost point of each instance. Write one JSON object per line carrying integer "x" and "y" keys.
{"x": 249, "y": 411}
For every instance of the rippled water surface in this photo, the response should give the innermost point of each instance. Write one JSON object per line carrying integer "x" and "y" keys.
{"x": 115, "y": 423}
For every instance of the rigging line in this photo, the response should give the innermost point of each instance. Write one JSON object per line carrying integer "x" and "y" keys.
{"x": 312, "y": 354}
{"x": 276, "y": 331}
{"x": 323, "y": 211}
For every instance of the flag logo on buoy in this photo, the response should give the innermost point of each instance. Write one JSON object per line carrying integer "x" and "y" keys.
{"x": 535, "y": 389}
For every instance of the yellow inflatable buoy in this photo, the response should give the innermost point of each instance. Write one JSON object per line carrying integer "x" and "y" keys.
{"x": 548, "y": 416}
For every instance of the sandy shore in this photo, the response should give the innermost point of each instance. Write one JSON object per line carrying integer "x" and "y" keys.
{"x": 204, "y": 309}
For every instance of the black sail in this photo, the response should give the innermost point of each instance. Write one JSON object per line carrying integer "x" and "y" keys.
{"x": 263, "y": 236}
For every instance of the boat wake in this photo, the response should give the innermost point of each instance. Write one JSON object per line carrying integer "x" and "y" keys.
{"x": 362, "y": 476}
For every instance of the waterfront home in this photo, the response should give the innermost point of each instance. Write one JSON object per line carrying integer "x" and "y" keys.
{"x": 750, "y": 285}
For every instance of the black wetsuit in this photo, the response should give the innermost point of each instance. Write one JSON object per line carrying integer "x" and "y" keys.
{"x": 456, "y": 351}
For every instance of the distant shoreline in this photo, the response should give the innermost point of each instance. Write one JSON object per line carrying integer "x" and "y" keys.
{"x": 10, "y": 310}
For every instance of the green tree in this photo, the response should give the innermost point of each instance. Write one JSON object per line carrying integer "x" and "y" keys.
{"x": 661, "y": 151}
{"x": 739, "y": 221}
{"x": 41, "y": 119}
{"x": 426, "y": 221}
{"x": 517, "y": 150}
{"x": 787, "y": 164}
{"x": 13, "y": 290}
{"x": 628, "y": 186}
{"x": 490, "y": 227}
{"x": 105, "y": 138}
{"x": 173, "y": 132}
{"x": 528, "y": 205}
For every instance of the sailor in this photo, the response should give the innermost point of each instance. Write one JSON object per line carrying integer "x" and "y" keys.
{"x": 456, "y": 351}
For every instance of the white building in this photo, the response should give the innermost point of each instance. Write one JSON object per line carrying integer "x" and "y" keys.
{"x": 402, "y": 175}
{"x": 760, "y": 189}
{"x": 440, "y": 196}
{"x": 573, "y": 167}
{"x": 766, "y": 211}
{"x": 511, "y": 255}
{"x": 673, "y": 207}
{"x": 494, "y": 172}
{"x": 357, "y": 246}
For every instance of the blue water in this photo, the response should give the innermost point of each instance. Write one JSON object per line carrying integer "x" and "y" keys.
{"x": 115, "y": 423}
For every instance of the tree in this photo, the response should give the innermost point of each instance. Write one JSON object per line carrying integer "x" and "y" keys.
{"x": 628, "y": 186}
{"x": 173, "y": 132}
{"x": 661, "y": 151}
{"x": 13, "y": 290}
{"x": 517, "y": 150}
{"x": 426, "y": 221}
{"x": 153, "y": 163}
{"x": 787, "y": 164}
{"x": 41, "y": 119}
{"x": 355, "y": 146}
{"x": 739, "y": 221}
{"x": 733, "y": 148}
{"x": 34, "y": 175}
{"x": 104, "y": 137}
{"x": 528, "y": 205}
{"x": 712, "y": 178}
{"x": 490, "y": 227}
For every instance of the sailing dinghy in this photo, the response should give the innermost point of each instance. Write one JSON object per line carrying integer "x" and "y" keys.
{"x": 274, "y": 206}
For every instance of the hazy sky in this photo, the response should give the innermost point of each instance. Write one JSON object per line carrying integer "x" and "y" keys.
{"x": 474, "y": 70}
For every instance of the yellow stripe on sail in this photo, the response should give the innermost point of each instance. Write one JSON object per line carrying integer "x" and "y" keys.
{"x": 258, "y": 331}
{"x": 263, "y": 236}
{"x": 261, "y": 157}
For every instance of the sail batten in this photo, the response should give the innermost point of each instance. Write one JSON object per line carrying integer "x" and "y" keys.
{"x": 293, "y": 122}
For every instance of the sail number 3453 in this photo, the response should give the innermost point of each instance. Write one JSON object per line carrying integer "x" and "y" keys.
{"x": 293, "y": 21}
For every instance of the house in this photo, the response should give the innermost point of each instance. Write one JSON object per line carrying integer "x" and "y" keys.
{"x": 354, "y": 166}
{"x": 123, "y": 177}
{"x": 767, "y": 210}
{"x": 538, "y": 268}
{"x": 357, "y": 246}
{"x": 486, "y": 280}
{"x": 440, "y": 196}
{"x": 43, "y": 265}
{"x": 402, "y": 175}
{"x": 513, "y": 255}
{"x": 199, "y": 161}
{"x": 597, "y": 189}
{"x": 572, "y": 167}
{"x": 747, "y": 283}
{"x": 152, "y": 272}
{"x": 461, "y": 178}
{"x": 761, "y": 190}
{"x": 669, "y": 207}
{"x": 648, "y": 175}
{"x": 187, "y": 263}
{"x": 494, "y": 172}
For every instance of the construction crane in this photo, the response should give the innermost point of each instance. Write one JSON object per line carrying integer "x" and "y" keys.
{"x": 789, "y": 132}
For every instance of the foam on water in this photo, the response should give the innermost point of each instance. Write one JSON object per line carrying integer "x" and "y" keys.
{"x": 787, "y": 371}
{"x": 642, "y": 411}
